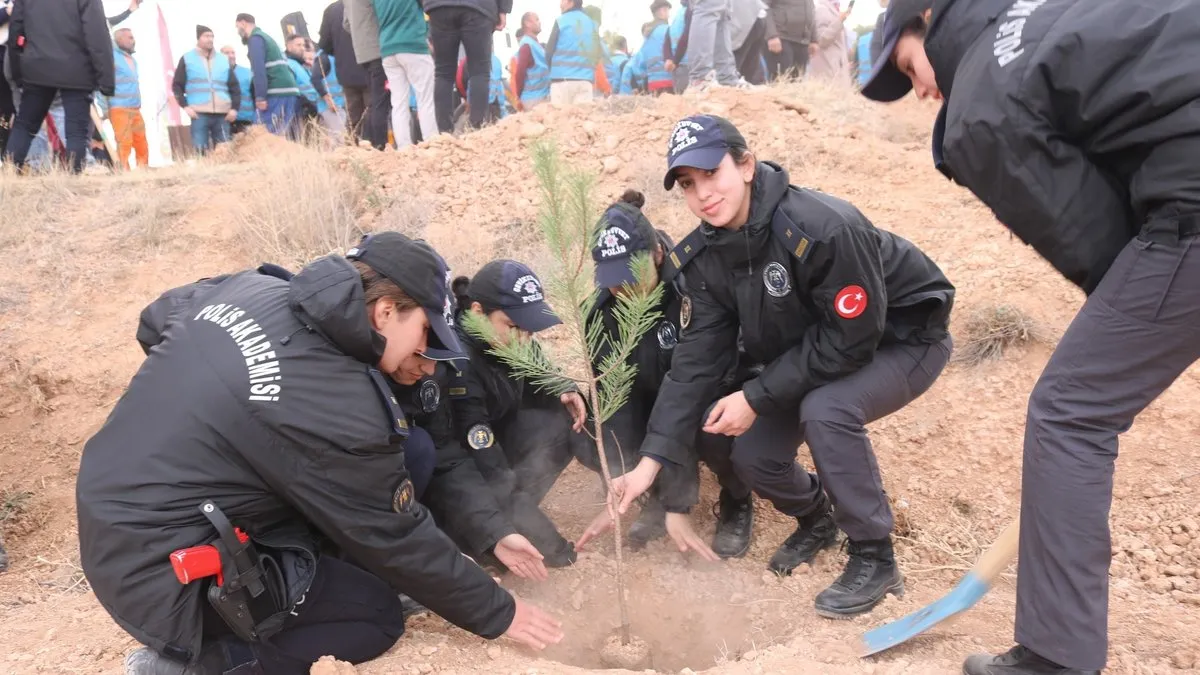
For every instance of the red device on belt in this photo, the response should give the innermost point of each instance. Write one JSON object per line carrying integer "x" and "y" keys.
{"x": 199, "y": 562}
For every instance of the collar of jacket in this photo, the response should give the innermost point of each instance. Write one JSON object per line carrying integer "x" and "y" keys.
{"x": 328, "y": 297}
{"x": 954, "y": 26}
{"x": 739, "y": 247}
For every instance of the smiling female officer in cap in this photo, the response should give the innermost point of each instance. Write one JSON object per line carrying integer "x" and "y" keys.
{"x": 624, "y": 233}
{"x": 1077, "y": 123}
{"x": 521, "y": 438}
{"x": 262, "y": 406}
{"x": 848, "y": 323}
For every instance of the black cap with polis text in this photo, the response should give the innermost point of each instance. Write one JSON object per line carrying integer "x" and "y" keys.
{"x": 887, "y": 83}
{"x": 701, "y": 142}
{"x": 512, "y": 287}
{"x": 420, "y": 272}
{"x": 624, "y": 232}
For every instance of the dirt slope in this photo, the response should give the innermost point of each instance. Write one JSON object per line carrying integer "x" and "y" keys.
{"x": 83, "y": 256}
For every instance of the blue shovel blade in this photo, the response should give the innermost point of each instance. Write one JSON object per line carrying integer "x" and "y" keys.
{"x": 963, "y": 596}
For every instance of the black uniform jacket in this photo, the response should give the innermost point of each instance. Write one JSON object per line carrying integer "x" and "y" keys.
{"x": 814, "y": 287}
{"x": 458, "y": 495}
{"x": 258, "y": 393}
{"x": 62, "y": 44}
{"x": 1076, "y": 122}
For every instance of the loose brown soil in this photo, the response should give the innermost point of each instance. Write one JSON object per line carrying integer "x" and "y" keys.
{"x": 83, "y": 256}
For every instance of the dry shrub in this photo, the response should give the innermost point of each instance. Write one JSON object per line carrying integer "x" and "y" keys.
{"x": 993, "y": 330}
{"x": 33, "y": 204}
{"x": 301, "y": 207}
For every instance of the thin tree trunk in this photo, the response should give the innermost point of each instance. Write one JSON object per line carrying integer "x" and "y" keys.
{"x": 624, "y": 612}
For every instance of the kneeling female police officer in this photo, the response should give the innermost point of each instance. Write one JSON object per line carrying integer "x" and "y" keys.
{"x": 262, "y": 406}
{"x": 848, "y": 324}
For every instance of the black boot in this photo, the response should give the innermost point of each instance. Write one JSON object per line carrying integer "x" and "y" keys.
{"x": 814, "y": 532}
{"x": 871, "y": 573}
{"x": 651, "y": 524}
{"x": 1018, "y": 661}
{"x": 410, "y": 607}
{"x": 560, "y": 555}
{"x": 735, "y": 524}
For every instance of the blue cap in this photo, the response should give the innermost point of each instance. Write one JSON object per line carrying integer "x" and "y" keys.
{"x": 701, "y": 142}
{"x": 624, "y": 232}
{"x": 887, "y": 83}
{"x": 512, "y": 287}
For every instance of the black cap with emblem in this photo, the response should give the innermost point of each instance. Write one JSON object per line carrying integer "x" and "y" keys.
{"x": 887, "y": 83}
{"x": 701, "y": 142}
{"x": 623, "y": 233}
{"x": 512, "y": 287}
{"x": 420, "y": 272}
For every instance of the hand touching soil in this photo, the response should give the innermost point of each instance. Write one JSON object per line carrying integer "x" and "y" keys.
{"x": 533, "y": 627}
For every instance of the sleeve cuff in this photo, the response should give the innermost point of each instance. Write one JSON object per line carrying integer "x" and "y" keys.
{"x": 757, "y": 397}
{"x": 663, "y": 449}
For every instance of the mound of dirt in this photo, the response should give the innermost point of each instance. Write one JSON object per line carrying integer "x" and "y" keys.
{"x": 86, "y": 254}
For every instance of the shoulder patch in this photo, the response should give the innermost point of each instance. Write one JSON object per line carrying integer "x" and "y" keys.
{"x": 390, "y": 404}
{"x": 402, "y": 499}
{"x": 682, "y": 254}
{"x": 788, "y": 232}
{"x": 456, "y": 388}
{"x": 480, "y": 437}
{"x": 431, "y": 395}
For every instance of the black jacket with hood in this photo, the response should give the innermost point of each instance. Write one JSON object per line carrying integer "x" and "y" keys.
{"x": 62, "y": 44}
{"x": 1076, "y": 122}
{"x": 260, "y": 394}
{"x": 814, "y": 287}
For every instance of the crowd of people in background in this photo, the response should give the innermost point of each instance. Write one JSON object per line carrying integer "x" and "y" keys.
{"x": 389, "y": 72}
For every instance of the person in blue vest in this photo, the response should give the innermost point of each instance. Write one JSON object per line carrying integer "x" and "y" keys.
{"x": 650, "y": 62}
{"x": 206, "y": 87}
{"x": 312, "y": 91}
{"x": 573, "y": 52}
{"x": 497, "y": 100}
{"x": 125, "y": 105}
{"x": 863, "y": 57}
{"x": 330, "y": 108}
{"x": 245, "y": 78}
{"x": 617, "y": 61}
{"x": 530, "y": 71}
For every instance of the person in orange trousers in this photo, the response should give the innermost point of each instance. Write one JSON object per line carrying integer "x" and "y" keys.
{"x": 130, "y": 130}
{"x": 125, "y": 105}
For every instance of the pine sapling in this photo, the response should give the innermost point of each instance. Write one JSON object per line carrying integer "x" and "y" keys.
{"x": 568, "y": 223}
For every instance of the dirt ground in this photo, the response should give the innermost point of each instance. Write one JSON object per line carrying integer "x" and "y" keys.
{"x": 82, "y": 256}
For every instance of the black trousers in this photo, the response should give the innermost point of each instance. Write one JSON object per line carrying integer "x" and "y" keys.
{"x": 832, "y": 421}
{"x": 7, "y": 110}
{"x": 357, "y": 102}
{"x": 35, "y": 104}
{"x": 347, "y": 613}
{"x": 375, "y": 128}
{"x": 450, "y": 27}
{"x": 792, "y": 61}
{"x": 749, "y": 56}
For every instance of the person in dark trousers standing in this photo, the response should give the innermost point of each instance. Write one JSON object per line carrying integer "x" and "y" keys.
{"x": 206, "y": 87}
{"x": 245, "y": 78}
{"x": 468, "y": 24}
{"x": 275, "y": 91}
{"x": 625, "y": 233}
{"x": 336, "y": 42}
{"x": 7, "y": 108}
{"x": 1075, "y": 123}
{"x": 360, "y": 20}
{"x": 58, "y": 47}
{"x": 846, "y": 324}
{"x": 520, "y": 437}
{"x": 790, "y": 28}
{"x": 288, "y": 432}
{"x": 457, "y": 495}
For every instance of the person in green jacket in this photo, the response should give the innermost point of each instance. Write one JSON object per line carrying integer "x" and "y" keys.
{"x": 404, "y": 46}
{"x": 275, "y": 90}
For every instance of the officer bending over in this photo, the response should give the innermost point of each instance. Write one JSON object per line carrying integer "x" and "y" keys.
{"x": 1077, "y": 123}
{"x": 262, "y": 406}
{"x": 521, "y": 438}
{"x": 849, "y": 323}
{"x": 458, "y": 496}
{"x": 624, "y": 233}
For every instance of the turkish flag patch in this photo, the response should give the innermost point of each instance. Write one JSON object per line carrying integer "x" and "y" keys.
{"x": 850, "y": 302}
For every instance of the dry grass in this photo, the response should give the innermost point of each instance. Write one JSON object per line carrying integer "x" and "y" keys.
{"x": 992, "y": 331}
{"x": 301, "y": 207}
